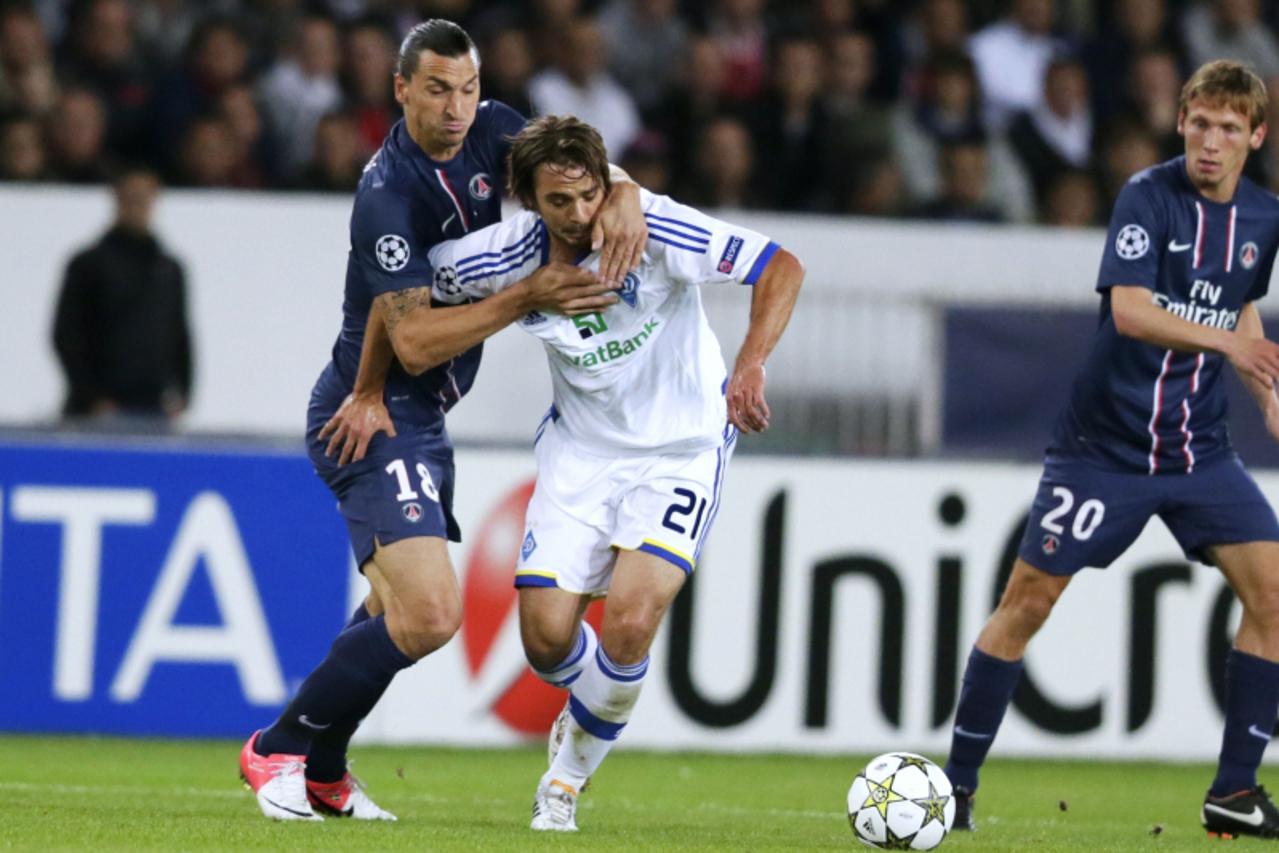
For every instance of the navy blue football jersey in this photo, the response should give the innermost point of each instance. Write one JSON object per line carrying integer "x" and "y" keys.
{"x": 405, "y": 204}
{"x": 1136, "y": 406}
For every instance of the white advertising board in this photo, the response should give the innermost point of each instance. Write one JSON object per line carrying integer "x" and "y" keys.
{"x": 833, "y": 609}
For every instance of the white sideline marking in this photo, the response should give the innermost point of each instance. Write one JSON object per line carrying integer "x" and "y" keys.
{"x": 623, "y": 803}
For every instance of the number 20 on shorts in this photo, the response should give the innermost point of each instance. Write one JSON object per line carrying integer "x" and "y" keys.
{"x": 1086, "y": 521}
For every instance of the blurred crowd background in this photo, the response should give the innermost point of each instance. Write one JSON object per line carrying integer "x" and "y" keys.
{"x": 967, "y": 110}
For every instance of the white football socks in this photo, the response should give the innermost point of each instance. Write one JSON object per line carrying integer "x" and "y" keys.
{"x": 600, "y": 705}
{"x": 567, "y": 671}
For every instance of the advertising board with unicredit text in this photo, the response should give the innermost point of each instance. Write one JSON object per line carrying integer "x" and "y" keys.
{"x": 185, "y": 589}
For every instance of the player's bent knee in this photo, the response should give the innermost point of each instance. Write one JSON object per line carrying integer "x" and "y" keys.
{"x": 545, "y": 652}
{"x": 1023, "y": 610}
{"x": 1035, "y": 609}
{"x": 423, "y": 633}
{"x": 1262, "y": 606}
{"x": 628, "y": 635}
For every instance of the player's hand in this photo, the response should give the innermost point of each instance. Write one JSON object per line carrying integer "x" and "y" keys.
{"x": 747, "y": 409}
{"x": 620, "y": 231}
{"x": 353, "y": 426}
{"x": 1257, "y": 358}
{"x": 567, "y": 289}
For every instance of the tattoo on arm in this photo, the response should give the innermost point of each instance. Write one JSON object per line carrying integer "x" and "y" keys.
{"x": 397, "y": 304}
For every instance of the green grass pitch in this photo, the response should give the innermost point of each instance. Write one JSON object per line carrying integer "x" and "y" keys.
{"x": 117, "y": 794}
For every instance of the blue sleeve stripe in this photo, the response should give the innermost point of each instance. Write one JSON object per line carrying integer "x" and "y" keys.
{"x": 514, "y": 248}
{"x": 602, "y": 729}
{"x": 757, "y": 268}
{"x": 498, "y": 267}
{"x": 692, "y": 238}
{"x": 700, "y": 250}
{"x": 505, "y": 250}
{"x": 669, "y": 556}
{"x": 690, "y": 226}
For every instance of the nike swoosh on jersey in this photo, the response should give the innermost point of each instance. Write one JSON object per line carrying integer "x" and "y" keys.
{"x": 1252, "y": 818}
{"x": 963, "y": 732}
{"x": 1174, "y": 246}
{"x": 1256, "y": 732}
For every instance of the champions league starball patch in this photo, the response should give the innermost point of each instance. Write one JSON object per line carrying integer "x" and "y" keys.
{"x": 1132, "y": 242}
{"x": 446, "y": 281}
{"x": 392, "y": 252}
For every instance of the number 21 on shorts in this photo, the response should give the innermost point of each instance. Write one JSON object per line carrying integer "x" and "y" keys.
{"x": 1086, "y": 520}
{"x": 400, "y": 471}
{"x": 678, "y": 514}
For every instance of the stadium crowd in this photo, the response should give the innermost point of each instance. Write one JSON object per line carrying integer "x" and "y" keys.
{"x": 967, "y": 110}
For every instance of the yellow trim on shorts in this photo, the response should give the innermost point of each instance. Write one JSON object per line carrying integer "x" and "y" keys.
{"x": 665, "y": 547}
{"x": 673, "y": 556}
{"x": 541, "y": 573}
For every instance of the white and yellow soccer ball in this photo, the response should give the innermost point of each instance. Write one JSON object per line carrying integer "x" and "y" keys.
{"x": 901, "y": 801}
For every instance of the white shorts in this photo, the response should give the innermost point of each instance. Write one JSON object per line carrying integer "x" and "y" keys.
{"x": 586, "y": 507}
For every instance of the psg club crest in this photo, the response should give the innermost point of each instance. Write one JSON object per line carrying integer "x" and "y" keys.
{"x": 1248, "y": 255}
{"x": 1050, "y": 544}
{"x": 629, "y": 289}
{"x": 412, "y": 511}
{"x": 480, "y": 187}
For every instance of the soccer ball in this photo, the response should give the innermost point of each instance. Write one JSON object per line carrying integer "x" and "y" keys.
{"x": 901, "y": 801}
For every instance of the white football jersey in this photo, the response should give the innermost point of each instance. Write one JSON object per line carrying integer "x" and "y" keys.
{"x": 645, "y": 375}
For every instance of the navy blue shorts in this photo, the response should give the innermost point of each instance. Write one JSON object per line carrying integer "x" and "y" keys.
{"x": 1087, "y": 516}
{"x": 401, "y": 489}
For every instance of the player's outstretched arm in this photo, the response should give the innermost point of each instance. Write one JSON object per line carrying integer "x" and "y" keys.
{"x": 1137, "y": 316}
{"x": 363, "y": 413}
{"x": 620, "y": 230}
{"x": 771, "y": 303}
{"x": 1264, "y": 394}
{"x": 423, "y": 336}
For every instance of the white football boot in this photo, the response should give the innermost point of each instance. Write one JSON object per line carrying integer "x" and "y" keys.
{"x": 278, "y": 781}
{"x": 559, "y": 731}
{"x": 345, "y": 798}
{"x": 554, "y": 807}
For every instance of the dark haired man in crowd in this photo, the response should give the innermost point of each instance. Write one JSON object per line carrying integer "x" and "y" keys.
{"x": 121, "y": 325}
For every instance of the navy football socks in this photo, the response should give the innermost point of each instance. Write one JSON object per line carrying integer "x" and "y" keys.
{"x": 1252, "y": 702}
{"x": 988, "y": 688}
{"x": 326, "y": 762}
{"x": 344, "y": 687}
